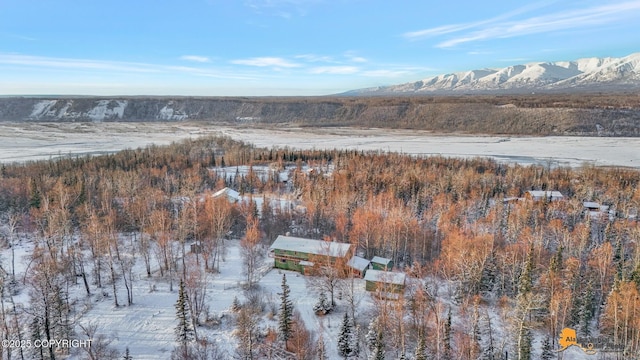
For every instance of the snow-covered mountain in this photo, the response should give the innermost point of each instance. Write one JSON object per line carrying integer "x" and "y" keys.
{"x": 583, "y": 74}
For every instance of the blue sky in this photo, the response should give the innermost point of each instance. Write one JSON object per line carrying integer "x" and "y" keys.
{"x": 289, "y": 47}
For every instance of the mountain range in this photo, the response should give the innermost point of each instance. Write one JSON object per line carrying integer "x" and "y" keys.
{"x": 588, "y": 74}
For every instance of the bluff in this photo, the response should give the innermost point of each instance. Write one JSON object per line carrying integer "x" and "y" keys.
{"x": 591, "y": 115}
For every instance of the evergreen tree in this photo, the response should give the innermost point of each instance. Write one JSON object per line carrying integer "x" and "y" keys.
{"x": 355, "y": 338}
{"x": 488, "y": 277}
{"x": 286, "y": 313}
{"x": 587, "y": 309}
{"x": 35, "y": 328}
{"x": 127, "y": 355}
{"x": 184, "y": 330}
{"x": 36, "y": 197}
{"x": 323, "y": 306}
{"x": 447, "y": 336}
{"x": 372, "y": 334}
{"x": 618, "y": 260}
{"x": 524, "y": 348}
{"x": 556, "y": 261}
{"x": 377, "y": 352}
{"x": 547, "y": 352}
{"x": 635, "y": 275}
{"x": 345, "y": 337}
{"x": 421, "y": 350}
{"x": 525, "y": 284}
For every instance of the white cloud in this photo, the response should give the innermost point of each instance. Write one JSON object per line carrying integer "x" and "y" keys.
{"x": 315, "y": 58}
{"x": 440, "y": 30}
{"x": 453, "y": 28}
{"x": 110, "y": 67}
{"x": 265, "y": 62}
{"x": 385, "y": 73}
{"x": 77, "y": 64}
{"x": 358, "y": 59}
{"x": 335, "y": 70}
{"x": 502, "y": 27}
{"x": 195, "y": 58}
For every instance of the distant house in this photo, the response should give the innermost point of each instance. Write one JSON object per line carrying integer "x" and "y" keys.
{"x": 380, "y": 263}
{"x": 300, "y": 254}
{"x": 537, "y": 195}
{"x": 385, "y": 281}
{"x": 231, "y": 195}
{"x": 358, "y": 265}
{"x": 596, "y": 211}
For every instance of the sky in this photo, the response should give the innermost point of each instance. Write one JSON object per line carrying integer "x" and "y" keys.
{"x": 289, "y": 47}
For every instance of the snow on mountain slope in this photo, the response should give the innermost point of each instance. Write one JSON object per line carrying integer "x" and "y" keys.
{"x": 103, "y": 110}
{"x": 588, "y": 73}
{"x": 69, "y": 109}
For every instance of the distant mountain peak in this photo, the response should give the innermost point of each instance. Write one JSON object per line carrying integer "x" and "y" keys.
{"x": 587, "y": 74}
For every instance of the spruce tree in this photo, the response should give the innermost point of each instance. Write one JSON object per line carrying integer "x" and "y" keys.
{"x": 525, "y": 284}
{"x": 524, "y": 348}
{"x": 286, "y": 313}
{"x": 345, "y": 337}
{"x": 323, "y": 306}
{"x": 556, "y": 261}
{"x": 184, "y": 330}
{"x": 378, "y": 350}
{"x": 372, "y": 334}
{"x": 547, "y": 352}
{"x": 635, "y": 275}
{"x": 447, "y": 336}
{"x": 421, "y": 349}
{"x": 127, "y": 355}
{"x": 355, "y": 338}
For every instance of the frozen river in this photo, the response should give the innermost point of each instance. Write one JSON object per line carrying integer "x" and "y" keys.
{"x": 32, "y": 141}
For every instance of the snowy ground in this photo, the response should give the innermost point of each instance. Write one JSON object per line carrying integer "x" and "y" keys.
{"x": 31, "y": 141}
{"x": 147, "y": 326}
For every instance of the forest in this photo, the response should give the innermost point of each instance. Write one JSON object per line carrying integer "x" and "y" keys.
{"x": 492, "y": 271}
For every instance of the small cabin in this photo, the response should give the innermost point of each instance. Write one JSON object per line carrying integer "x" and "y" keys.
{"x": 231, "y": 195}
{"x": 385, "y": 281}
{"x": 358, "y": 266}
{"x": 380, "y": 263}
{"x": 596, "y": 211}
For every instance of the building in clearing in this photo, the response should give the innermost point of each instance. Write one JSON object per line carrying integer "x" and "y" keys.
{"x": 298, "y": 254}
{"x": 537, "y": 195}
{"x": 358, "y": 265}
{"x": 385, "y": 281}
{"x": 231, "y": 195}
{"x": 380, "y": 263}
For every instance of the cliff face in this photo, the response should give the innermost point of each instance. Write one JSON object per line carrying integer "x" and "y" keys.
{"x": 599, "y": 115}
{"x": 163, "y": 109}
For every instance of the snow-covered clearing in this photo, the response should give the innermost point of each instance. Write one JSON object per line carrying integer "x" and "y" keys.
{"x": 147, "y": 326}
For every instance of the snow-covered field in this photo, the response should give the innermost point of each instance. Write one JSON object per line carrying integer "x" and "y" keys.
{"x": 33, "y": 141}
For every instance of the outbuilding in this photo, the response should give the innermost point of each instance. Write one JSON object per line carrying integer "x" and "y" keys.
{"x": 385, "y": 281}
